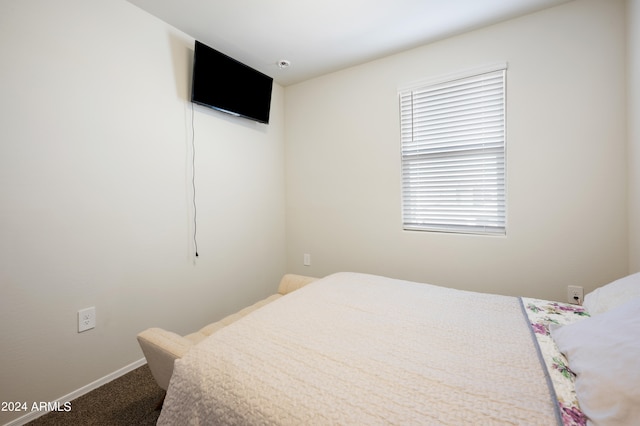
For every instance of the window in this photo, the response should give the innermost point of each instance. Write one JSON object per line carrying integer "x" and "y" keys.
{"x": 453, "y": 154}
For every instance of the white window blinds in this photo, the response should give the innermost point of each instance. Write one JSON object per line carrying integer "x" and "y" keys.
{"x": 453, "y": 155}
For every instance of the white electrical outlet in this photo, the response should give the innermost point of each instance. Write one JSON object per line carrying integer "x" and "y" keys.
{"x": 573, "y": 292}
{"x": 86, "y": 319}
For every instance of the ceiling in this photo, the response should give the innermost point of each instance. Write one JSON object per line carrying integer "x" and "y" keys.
{"x": 318, "y": 37}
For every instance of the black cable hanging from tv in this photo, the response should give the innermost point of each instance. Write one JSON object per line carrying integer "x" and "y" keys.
{"x": 193, "y": 181}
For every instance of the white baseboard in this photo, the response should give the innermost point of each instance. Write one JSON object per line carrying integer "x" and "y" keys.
{"x": 79, "y": 392}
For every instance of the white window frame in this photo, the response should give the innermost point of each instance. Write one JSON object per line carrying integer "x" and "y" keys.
{"x": 453, "y": 153}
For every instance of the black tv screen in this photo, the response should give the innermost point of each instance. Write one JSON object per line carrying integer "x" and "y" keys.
{"x": 222, "y": 83}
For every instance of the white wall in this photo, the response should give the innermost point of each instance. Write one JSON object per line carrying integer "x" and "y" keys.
{"x": 633, "y": 80}
{"x": 567, "y": 211}
{"x": 95, "y": 169}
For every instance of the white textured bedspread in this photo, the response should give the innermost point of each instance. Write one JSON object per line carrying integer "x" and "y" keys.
{"x": 362, "y": 350}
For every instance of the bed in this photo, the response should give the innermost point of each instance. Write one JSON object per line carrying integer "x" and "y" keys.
{"x": 363, "y": 349}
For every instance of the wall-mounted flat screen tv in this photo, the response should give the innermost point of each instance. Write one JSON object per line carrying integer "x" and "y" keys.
{"x": 222, "y": 83}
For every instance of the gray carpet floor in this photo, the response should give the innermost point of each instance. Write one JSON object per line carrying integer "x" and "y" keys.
{"x": 131, "y": 399}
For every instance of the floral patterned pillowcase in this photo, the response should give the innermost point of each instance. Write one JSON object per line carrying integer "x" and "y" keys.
{"x": 542, "y": 314}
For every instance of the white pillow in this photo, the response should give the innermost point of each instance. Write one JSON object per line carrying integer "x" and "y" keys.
{"x": 611, "y": 295}
{"x": 604, "y": 353}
